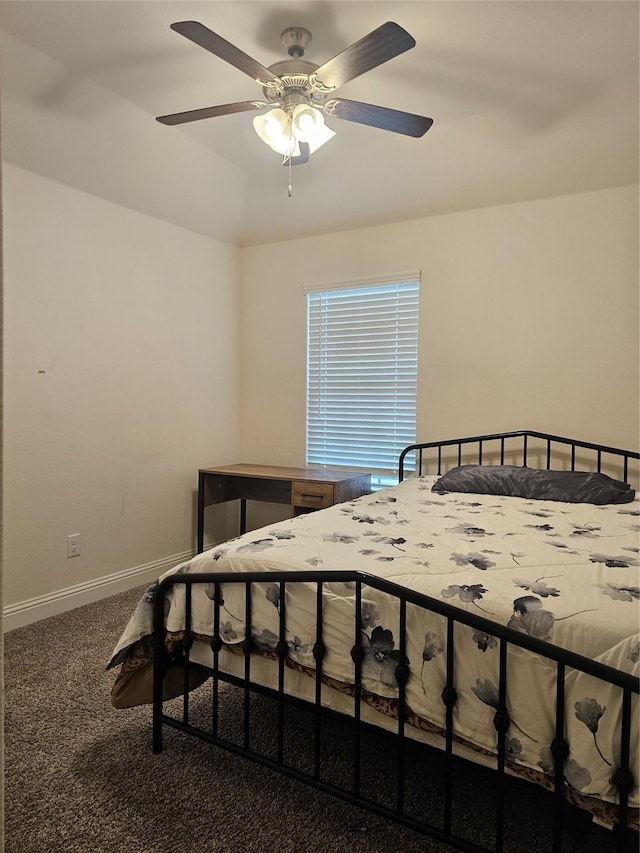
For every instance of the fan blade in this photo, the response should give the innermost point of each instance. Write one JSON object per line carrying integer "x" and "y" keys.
{"x": 214, "y": 43}
{"x": 211, "y": 112}
{"x": 382, "y": 117}
{"x": 379, "y": 46}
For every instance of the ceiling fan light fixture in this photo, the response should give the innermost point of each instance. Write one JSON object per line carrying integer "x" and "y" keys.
{"x": 305, "y": 121}
{"x": 307, "y": 125}
{"x": 321, "y": 135}
{"x": 283, "y": 130}
{"x": 274, "y": 130}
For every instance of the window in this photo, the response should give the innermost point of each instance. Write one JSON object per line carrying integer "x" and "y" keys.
{"x": 362, "y": 364}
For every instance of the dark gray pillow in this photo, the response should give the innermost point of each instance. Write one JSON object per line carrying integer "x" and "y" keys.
{"x": 534, "y": 483}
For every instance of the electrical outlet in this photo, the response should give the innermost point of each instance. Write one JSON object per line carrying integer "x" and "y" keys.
{"x": 73, "y": 545}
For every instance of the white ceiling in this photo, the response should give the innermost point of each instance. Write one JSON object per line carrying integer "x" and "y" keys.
{"x": 529, "y": 100}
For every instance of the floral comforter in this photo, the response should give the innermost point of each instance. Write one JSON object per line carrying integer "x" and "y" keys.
{"x": 565, "y": 573}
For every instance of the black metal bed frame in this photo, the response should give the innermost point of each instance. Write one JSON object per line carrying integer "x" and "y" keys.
{"x": 541, "y": 444}
{"x": 622, "y": 776}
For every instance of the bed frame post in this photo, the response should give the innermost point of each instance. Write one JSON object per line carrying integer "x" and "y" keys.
{"x": 159, "y": 653}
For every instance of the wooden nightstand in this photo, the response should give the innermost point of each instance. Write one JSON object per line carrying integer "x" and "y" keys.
{"x": 304, "y": 489}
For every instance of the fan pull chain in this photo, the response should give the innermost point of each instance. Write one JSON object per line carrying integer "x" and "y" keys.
{"x": 290, "y": 189}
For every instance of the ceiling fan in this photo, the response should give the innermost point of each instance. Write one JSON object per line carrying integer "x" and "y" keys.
{"x": 300, "y": 93}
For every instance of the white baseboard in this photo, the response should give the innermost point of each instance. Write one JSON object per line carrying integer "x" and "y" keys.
{"x": 33, "y": 609}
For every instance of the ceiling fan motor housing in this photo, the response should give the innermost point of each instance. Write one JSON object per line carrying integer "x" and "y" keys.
{"x": 295, "y": 75}
{"x": 296, "y": 41}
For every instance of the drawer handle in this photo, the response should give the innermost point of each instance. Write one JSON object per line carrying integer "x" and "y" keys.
{"x": 311, "y": 497}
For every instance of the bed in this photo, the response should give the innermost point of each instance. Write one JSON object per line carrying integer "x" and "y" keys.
{"x": 486, "y": 607}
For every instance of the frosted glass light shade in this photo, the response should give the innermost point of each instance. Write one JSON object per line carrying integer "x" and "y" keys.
{"x": 274, "y": 129}
{"x": 307, "y": 125}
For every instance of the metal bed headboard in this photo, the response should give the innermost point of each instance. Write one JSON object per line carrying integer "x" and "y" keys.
{"x": 515, "y": 448}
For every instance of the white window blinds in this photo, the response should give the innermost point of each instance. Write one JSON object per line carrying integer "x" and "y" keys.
{"x": 362, "y": 363}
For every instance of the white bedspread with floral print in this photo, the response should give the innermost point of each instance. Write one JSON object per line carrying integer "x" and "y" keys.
{"x": 564, "y": 573}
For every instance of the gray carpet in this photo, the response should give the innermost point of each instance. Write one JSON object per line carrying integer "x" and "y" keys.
{"x": 81, "y": 777}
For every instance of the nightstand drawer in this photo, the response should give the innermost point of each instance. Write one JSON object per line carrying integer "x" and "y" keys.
{"x": 312, "y": 495}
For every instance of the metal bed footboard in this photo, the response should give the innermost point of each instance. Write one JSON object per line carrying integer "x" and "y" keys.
{"x": 622, "y": 775}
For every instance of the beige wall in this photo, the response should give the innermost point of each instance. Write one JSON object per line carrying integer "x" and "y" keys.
{"x": 120, "y": 381}
{"x": 529, "y": 319}
{"x": 136, "y": 352}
